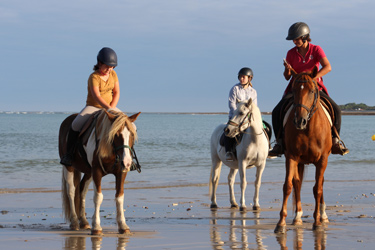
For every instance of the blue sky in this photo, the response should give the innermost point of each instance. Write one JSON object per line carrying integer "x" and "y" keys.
{"x": 176, "y": 56}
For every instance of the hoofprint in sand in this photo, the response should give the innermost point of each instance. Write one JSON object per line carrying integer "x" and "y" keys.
{"x": 170, "y": 217}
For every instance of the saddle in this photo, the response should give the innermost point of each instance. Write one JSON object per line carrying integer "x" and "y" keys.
{"x": 84, "y": 135}
{"x": 267, "y": 129}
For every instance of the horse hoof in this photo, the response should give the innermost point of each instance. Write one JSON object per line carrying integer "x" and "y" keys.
{"x": 96, "y": 232}
{"x": 124, "y": 231}
{"x": 84, "y": 226}
{"x": 213, "y": 206}
{"x": 243, "y": 209}
{"x": 297, "y": 223}
{"x": 234, "y": 206}
{"x": 280, "y": 229}
{"x": 74, "y": 227}
{"x": 256, "y": 208}
{"x": 326, "y": 221}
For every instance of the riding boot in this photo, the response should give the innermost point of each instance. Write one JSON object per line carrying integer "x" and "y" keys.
{"x": 338, "y": 147}
{"x": 278, "y": 149}
{"x": 229, "y": 148}
{"x": 71, "y": 146}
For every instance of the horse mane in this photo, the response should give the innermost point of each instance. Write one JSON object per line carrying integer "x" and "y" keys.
{"x": 306, "y": 74}
{"x": 108, "y": 125}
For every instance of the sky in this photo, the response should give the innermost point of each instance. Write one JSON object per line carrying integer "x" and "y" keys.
{"x": 176, "y": 55}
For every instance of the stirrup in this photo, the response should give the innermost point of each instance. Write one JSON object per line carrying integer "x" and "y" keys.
{"x": 339, "y": 148}
{"x": 229, "y": 156}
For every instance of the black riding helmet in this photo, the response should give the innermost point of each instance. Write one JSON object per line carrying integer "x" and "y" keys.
{"x": 297, "y": 30}
{"x": 107, "y": 56}
{"x": 245, "y": 72}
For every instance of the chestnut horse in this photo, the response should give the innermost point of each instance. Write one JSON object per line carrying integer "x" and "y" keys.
{"x": 252, "y": 152}
{"x": 108, "y": 150}
{"x": 308, "y": 140}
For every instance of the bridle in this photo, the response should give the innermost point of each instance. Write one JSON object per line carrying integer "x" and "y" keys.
{"x": 247, "y": 117}
{"x": 312, "y": 109}
{"x": 135, "y": 165}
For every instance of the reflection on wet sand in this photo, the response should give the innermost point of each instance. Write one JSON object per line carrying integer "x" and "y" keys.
{"x": 320, "y": 239}
{"x": 241, "y": 230}
{"x": 79, "y": 243}
{"x": 238, "y": 235}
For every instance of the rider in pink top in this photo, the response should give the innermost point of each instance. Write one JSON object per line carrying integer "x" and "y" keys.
{"x": 304, "y": 57}
{"x": 300, "y": 64}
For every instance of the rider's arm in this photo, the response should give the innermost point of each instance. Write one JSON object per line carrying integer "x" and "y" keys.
{"x": 96, "y": 95}
{"x": 326, "y": 68}
{"x": 115, "y": 95}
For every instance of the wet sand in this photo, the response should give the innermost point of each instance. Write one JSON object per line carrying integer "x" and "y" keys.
{"x": 179, "y": 217}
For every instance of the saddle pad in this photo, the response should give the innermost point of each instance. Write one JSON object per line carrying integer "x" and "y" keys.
{"x": 290, "y": 110}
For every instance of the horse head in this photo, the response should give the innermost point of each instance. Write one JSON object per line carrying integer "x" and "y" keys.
{"x": 306, "y": 96}
{"x": 116, "y": 135}
{"x": 240, "y": 120}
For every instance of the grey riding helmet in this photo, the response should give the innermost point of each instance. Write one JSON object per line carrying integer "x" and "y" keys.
{"x": 245, "y": 72}
{"x": 297, "y": 30}
{"x": 107, "y": 56}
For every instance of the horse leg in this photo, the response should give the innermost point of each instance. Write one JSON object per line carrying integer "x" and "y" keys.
{"x": 291, "y": 166}
{"x": 84, "y": 187}
{"x": 231, "y": 179}
{"x": 318, "y": 191}
{"x": 242, "y": 170}
{"x": 70, "y": 189}
{"x": 297, "y": 185}
{"x": 323, "y": 214}
{"x": 214, "y": 179}
{"x": 120, "y": 217}
{"x": 257, "y": 183}
{"x": 98, "y": 199}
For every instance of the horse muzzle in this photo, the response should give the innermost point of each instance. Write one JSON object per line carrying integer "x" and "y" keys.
{"x": 300, "y": 123}
{"x": 230, "y": 132}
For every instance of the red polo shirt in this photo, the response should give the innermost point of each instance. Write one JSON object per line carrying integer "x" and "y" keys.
{"x": 301, "y": 64}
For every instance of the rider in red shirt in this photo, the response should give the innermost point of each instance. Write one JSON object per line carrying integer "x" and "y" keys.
{"x": 304, "y": 57}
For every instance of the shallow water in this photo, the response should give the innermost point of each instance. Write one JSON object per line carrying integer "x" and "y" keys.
{"x": 173, "y": 149}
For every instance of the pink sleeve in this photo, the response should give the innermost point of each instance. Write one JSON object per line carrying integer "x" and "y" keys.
{"x": 319, "y": 53}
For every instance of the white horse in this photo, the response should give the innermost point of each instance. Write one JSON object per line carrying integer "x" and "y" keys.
{"x": 251, "y": 151}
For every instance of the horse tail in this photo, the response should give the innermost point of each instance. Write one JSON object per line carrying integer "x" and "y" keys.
{"x": 65, "y": 198}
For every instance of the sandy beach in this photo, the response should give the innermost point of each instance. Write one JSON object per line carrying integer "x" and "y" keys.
{"x": 179, "y": 217}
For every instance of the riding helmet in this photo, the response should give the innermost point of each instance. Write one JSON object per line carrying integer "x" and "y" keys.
{"x": 297, "y": 30}
{"x": 245, "y": 72}
{"x": 107, "y": 56}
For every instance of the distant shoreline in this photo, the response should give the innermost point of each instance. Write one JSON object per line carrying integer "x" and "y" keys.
{"x": 344, "y": 112}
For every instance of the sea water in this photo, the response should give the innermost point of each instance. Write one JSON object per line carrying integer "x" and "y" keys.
{"x": 173, "y": 149}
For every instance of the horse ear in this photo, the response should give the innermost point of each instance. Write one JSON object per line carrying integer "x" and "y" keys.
{"x": 134, "y": 117}
{"x": 110, "y": 116}
{"x": 314, "y": 72}
{"x": 249, "y": 102}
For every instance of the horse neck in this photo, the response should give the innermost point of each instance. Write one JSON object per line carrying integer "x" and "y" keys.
{"x": 256, "y": 124}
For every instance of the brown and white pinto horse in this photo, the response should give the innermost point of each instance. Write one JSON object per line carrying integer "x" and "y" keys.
{"x": 308, "y": 140}
{"x": 109, "y": 151}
